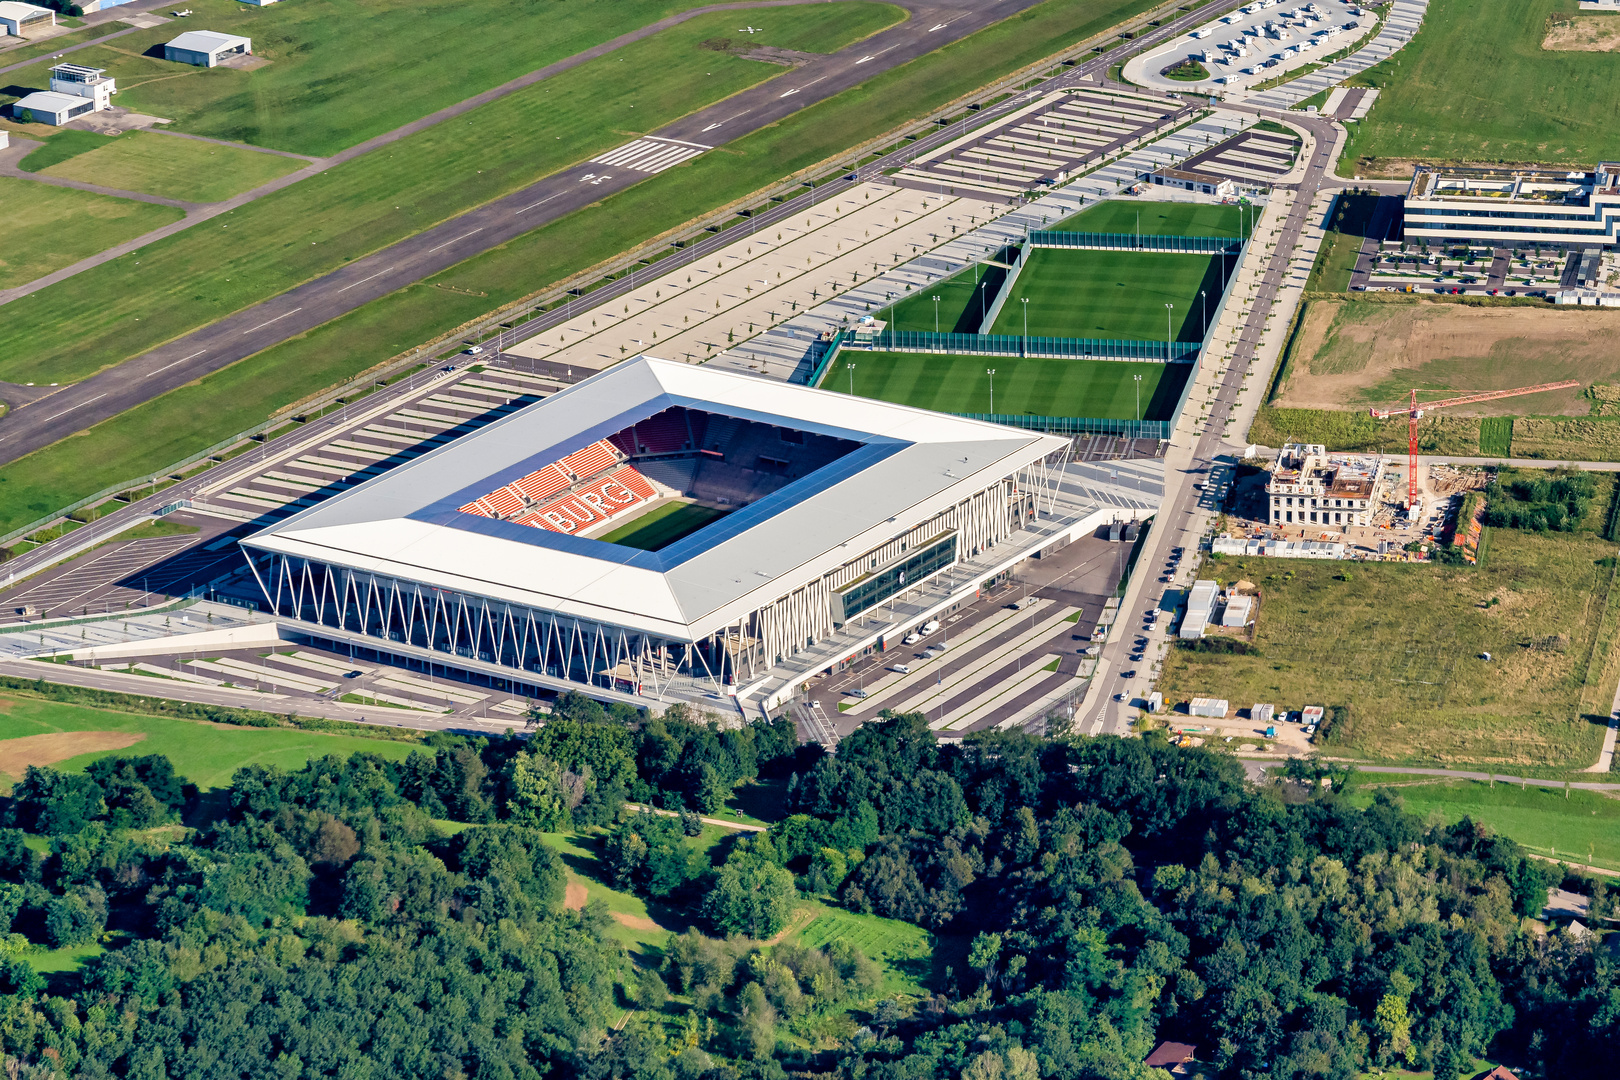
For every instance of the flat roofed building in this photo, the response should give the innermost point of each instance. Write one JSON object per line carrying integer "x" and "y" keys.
{"x": 16, "y": 17}
{"x": 1514, "y": 207}
{"x": 1190, "y": 180}
{"x": 514, "y": 551}
{"x": 1309, "y": 486}
{"x": 46, "y": 107}
{"x": 85, "y": 82}
{"x": 206, "y": 48}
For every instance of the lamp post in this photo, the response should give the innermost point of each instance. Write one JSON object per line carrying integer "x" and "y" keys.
{"x": 1167, "y": 330}
{"x": 1138, "y": 380}
{"x": 851, "y": 370}
{"x": 992, "y": 373}
{"x": 1025, "y": 301}
{"x": 1205, "y": 301}
{"x": 936, "y": 314}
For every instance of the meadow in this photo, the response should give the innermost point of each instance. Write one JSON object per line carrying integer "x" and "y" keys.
{"x": 61, "y": 226}
{"x": 1576, "y": 826}
{"x": 206, "y": 754}
{"x": 1103, "y": 389}
{"x": 1400, "y": 645}
{"x": 340, "y": 73}
{"x": 1161, "y": 219}
{"x": 157, "y": 164}
{"x": 160, "y": 432}
{"x": 1111, "y": 294}
{"x": 1476, "y": 85}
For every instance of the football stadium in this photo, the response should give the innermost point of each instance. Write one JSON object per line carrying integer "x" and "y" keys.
{"x": 663, "y": 531}
{"x": 1070, "y": 332}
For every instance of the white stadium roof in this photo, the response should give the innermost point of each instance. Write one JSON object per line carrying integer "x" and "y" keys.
{"x": 909, "y": 465}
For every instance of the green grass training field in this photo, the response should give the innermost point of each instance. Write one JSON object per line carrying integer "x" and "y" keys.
{"x": 665, "y": 525}
{"x": 90, "y": 322}
{"x": 1111, "y": 294}
{"x": 206, "y": 754}
{"x": 340, "y": 73}
{"x": 1161, "y": 218}
{"x": 174, "y": 168}
{"x": 964, "y": 299}
{"x": 1024, "y": 386}
{"x": 1582, "y": 828}
{"x": 56, "y": 227}
{"x": 1476, "y": 85}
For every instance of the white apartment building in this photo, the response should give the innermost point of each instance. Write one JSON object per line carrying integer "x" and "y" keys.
{"x": 1309, "y": 486}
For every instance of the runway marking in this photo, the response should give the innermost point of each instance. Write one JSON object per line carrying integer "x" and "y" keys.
{"x": 941, "y": 26}
{"x": 177, "y": 363}
{"x": 80, "y": 405}
{"x": 363, "y": 280}
{"x": 532, "y": 205}
{"x": 806, "y": 86}
{"x": 652, "y": 155}
{"x": 278, "y": 318}
{"x": 458, "y": 239}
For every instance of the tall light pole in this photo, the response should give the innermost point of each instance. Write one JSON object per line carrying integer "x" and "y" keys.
{"x": 851, "y": 369}
{"x": 992, "y": 373}
{"x": 1205, "y": 301}
{"x": 1025, "y": 300}
{"x": 936, "y": 314}
{"x": 1167, "y": 330}
{"x": 1138, "y": 380}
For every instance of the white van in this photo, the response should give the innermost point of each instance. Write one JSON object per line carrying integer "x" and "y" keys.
{"x": 930, "y": 626}
{"x": 903, "y": 669}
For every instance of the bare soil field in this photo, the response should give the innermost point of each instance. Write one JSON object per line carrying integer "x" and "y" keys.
{"x": 1352, "y": 354}
{"x": 1583, "y": 33}
{"x": 42, "y": 750}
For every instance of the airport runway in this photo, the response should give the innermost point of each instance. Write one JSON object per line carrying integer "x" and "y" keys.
{"x": 932, "y": 25}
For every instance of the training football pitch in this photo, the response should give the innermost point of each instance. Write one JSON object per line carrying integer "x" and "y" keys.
{"x": 1029, "y": 386}
{"x": 1112, "y": 294}
{"x": 664, "y": 525}
{"x": 1161, "y": 219}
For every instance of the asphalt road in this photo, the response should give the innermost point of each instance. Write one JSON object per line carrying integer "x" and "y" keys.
{"x": 36, "y": 424}
{"x": 1179, "y": 523}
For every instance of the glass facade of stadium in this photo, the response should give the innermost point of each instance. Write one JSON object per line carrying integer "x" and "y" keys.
{"x": 521, "y": 639}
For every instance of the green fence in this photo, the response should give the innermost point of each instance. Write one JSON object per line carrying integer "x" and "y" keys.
{"x": 1186, "y": 245}
{"x": 1176, "y": 352}
{"x": 1077, "y": 425}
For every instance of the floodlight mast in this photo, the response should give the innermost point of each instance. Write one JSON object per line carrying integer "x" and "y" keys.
{"x": 1414, "y": 412}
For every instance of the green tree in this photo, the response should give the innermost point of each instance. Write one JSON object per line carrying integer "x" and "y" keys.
{"x": 535, "y": 796}
{"x": 750, "y": 896}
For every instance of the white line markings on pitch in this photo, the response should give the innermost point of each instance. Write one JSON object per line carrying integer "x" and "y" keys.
{"x": 651, "y": 155}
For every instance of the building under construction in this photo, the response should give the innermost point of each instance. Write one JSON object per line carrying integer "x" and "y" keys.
{"x": 1308, "y": 485}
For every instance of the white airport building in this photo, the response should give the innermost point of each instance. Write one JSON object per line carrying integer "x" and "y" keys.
{"x": 664, "y": 531}
{"x": 206, "y": 48}
{"x": 16, "y": 17}
{"x": 1514, "y": 207}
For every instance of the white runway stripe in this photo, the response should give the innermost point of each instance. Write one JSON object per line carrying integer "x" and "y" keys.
{"x": 649, "y": 155}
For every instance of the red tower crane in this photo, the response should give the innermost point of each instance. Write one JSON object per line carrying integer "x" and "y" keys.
{"x": 1414, "y": 412}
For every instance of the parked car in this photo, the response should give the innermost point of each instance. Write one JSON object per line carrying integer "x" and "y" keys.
{"x": 857, "y": 692}
{"x": 902, "y": 669}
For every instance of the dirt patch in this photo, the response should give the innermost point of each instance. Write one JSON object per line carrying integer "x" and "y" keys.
{"x": 1358, "y": 353}
{"x": 802, "y": 917}
{"x": 574, "y": 896}
{"x": 41, "y": 750}
{"x": 636, "y": 922}
{"x": 1584, "y": 33}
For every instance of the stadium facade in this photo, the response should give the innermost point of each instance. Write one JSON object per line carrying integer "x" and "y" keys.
{"x": 663, "y": 530}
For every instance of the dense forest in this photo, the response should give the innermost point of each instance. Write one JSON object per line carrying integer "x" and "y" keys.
{"x": 1090, "y": 897}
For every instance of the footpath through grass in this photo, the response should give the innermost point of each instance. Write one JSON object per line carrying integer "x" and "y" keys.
{"x": 1112, "y": 294}
{"x": 1161, "y": 219}
{"x": 1400, "y": 645}
{"x": 340, "y": 73}
{"x": 1576, "y": 826}
{"x": 206, "y": 754}
{"x": 187, "y": 169}
{"x": 217, "y": 277}
{"x": 1023, "y": 386}
{"x": 1476, "y": 85}
{"x": 55, "y": 227}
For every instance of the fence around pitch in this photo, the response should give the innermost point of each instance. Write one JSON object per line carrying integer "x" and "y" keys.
{"x": 1178, "y": 352}
{"x": 1077, "y": 425}
{"x": 1183, "y": 245}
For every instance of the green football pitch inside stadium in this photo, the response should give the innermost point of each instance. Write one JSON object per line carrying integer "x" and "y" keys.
{"x": 1030, "y": 386}
{"x": 663, "y": 526}
{"x": 1113, "y": 294}
{"x": 1162, "y": 218}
